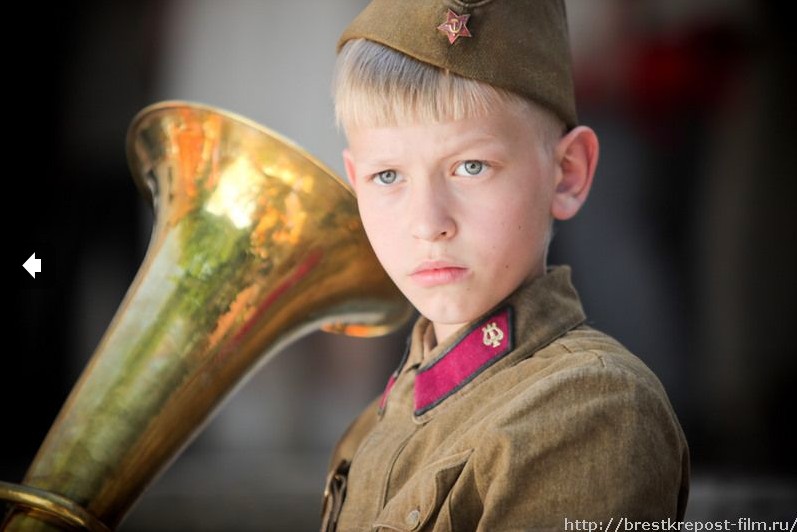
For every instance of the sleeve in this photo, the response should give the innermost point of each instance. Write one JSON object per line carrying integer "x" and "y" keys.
{"x": 593, "y": 443}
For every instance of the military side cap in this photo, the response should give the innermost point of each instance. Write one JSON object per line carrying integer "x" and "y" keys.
{"x": 518, "y": 45}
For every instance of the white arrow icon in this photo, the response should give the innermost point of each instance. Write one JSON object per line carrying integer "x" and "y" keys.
{"x": 33, "y": 265}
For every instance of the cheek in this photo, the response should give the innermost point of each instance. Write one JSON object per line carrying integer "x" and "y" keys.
{"x": 504, "y": 215}
{"x": 512, "y": 231}
{"x": 382, "y": 230}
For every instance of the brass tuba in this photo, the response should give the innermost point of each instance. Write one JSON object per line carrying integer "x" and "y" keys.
{"x": 255, "y": 243}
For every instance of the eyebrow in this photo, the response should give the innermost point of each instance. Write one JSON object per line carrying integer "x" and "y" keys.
{"x": 482, "y": 141}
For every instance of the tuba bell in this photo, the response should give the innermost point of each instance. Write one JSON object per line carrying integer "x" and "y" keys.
{"x": 255, "y": 243}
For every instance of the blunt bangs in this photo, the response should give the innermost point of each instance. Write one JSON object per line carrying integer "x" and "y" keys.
{"x": 376, "y": 86}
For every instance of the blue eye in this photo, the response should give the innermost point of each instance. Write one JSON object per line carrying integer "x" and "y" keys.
{"x": 386, "y": 177}
{"x": 470, "y": 168}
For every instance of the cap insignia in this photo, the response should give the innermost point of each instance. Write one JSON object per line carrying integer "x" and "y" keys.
{"x": 455, "y": 26}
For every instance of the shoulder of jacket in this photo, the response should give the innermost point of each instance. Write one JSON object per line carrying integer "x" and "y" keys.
{"x": 581, "y": 379}
{"x": 582, "y": 365}
{"x": 588, "y": 352}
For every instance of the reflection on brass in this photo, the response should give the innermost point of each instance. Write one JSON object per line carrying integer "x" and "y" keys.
{"x": 255, "y": 243}
{"x": 48, "y": 506}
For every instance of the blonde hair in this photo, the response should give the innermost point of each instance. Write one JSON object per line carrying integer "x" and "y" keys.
{"x": 376, "y": 86}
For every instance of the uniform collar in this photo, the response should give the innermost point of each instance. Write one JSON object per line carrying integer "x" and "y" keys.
{"x": 537, "y": 313}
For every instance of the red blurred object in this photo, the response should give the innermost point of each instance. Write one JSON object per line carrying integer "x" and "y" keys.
{"x": 688, "y": 72}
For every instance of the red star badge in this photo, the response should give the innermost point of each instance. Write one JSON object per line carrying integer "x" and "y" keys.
{"x": 455, "y": 26}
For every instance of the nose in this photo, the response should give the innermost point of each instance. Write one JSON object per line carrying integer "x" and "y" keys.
{"x": 431, "y": 212}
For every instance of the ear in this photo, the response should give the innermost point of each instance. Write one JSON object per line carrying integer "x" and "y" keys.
{"x": 576, "y": 157}
{"x": 348, "y": 164}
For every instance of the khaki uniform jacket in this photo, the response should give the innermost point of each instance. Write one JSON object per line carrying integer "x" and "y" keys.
{"x": 526, "y": 419}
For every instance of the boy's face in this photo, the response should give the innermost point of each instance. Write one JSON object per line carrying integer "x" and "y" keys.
{"x": 457, "y": 212}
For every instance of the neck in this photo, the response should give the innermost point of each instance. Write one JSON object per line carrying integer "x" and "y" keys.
{"x": 442, "y": 331}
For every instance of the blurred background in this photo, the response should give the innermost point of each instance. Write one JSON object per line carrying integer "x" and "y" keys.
{"x": 685, "y": 250}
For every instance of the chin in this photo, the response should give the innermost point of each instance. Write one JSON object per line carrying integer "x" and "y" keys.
{"x": 448, "y": 313}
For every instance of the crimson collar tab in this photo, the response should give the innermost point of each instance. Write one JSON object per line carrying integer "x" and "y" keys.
{"x": 478, "y": 348}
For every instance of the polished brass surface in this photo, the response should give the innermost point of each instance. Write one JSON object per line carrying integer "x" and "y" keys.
{"x": 254, "y": 244}
{"x": 49, "y": 507}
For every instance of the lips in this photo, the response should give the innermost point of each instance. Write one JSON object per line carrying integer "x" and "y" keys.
{"x": 435, "y": 273}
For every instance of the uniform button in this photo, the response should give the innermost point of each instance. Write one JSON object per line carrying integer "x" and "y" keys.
{"x": 413, "y": 518}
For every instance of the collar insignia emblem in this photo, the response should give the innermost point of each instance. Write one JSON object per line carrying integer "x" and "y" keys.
{"x": 455, "y": 26}
{"x": 492, "y": 335}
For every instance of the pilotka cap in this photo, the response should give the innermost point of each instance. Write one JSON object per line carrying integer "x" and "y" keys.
{"x": 518, "y": 45}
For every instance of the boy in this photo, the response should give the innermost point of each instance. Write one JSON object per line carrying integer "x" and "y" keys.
{"x": 506, "y": 412}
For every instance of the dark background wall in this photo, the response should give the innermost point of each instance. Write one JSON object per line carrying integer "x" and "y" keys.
{"x": 685, "y": 250}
